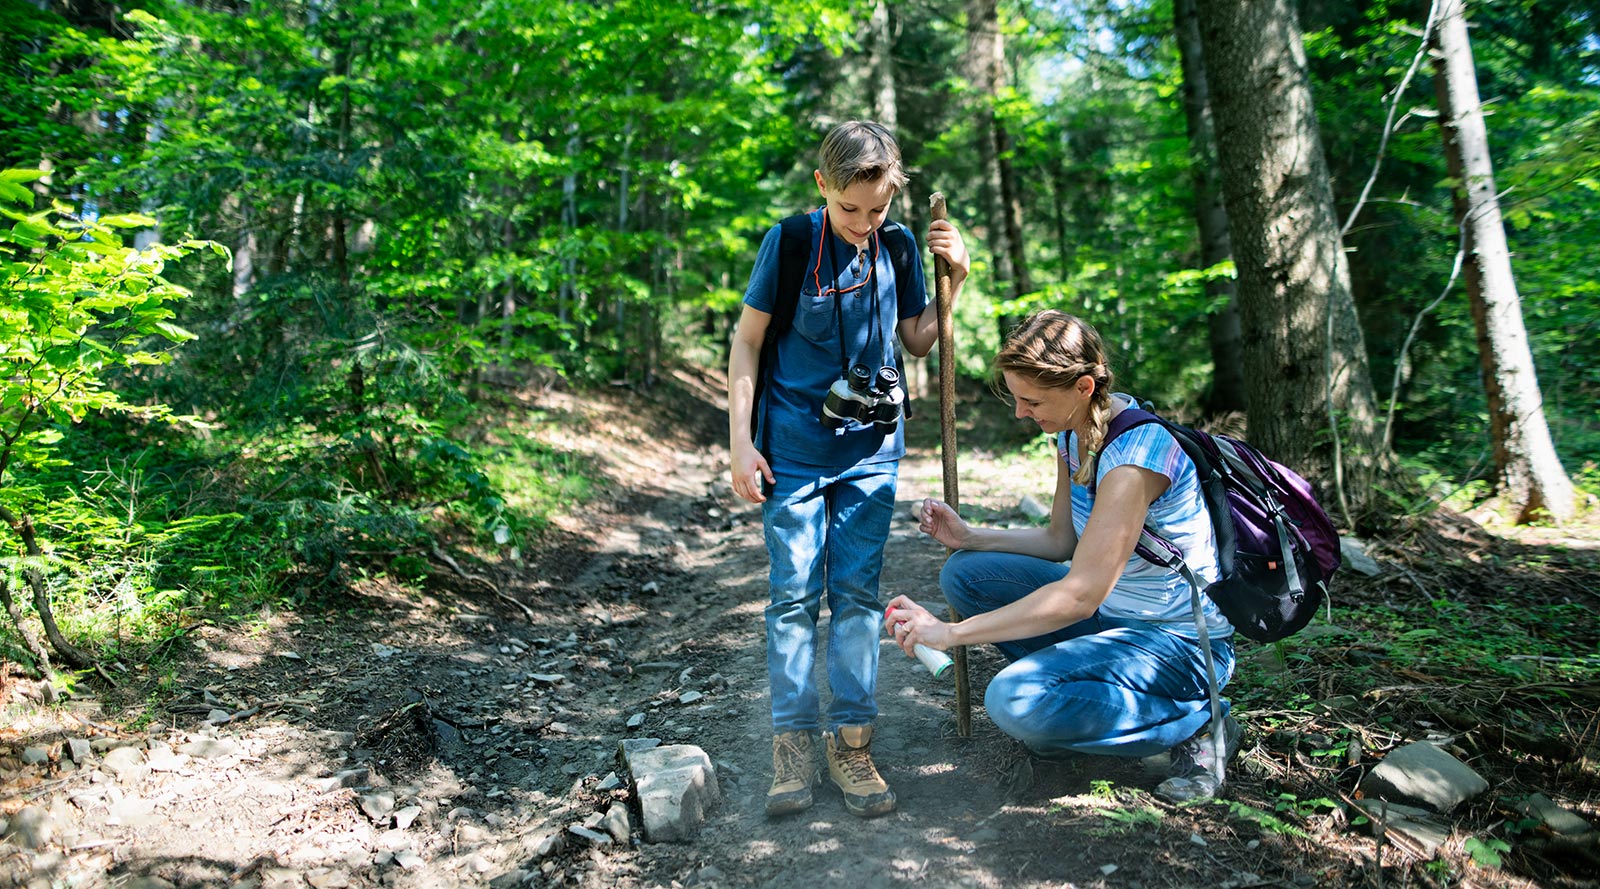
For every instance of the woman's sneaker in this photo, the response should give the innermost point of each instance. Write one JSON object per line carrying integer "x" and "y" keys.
{"x": 794, "y": 773}
{"x": 850, "y": 766}
{"x": 1192, "y": 775}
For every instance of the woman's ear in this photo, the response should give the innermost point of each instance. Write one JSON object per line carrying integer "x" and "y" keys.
{"x": 1085, "y": 386}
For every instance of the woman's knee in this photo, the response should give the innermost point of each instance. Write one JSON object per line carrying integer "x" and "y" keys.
{"x": 1012, "y": 709}
{"x": 956, "y": 581}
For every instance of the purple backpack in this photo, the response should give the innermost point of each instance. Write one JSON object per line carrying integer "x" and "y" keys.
{"x": 1276, "y": 548}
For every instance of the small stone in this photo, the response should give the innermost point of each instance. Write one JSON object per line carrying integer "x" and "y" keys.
{"x": 162, "y": 759}
{"x": 609, "y": 782}
{"x": 593, "y": 837}
{"x": 31, "y": 827}
{"x": 1559, "y": 820}
{"x": 509, "y": 880}
{"x": 689, "y": 697}
{"x": 1108, "y": 869}
{"x": 33, "y": 756}
{"x": 617, "y": 822}
{"x": 126, "y": 763}
{"x": 550, "y": 845}
{"x": 218, "y": 717}
{"x": 327, "y": 878}
{"x": 404, "y": 818}
{"x": 636, "y": 720}
{"x": 408, "y": 859}
{"x": 210, "y": 748}
{"x": 378, "y": 806}
{"x": 546, "y": 678}
{"x": 79, "y": 749}
{"x": 1030, "y": 506}
{"x": 345, "y": 778}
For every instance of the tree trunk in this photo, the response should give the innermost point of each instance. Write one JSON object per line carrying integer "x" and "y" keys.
{"x": 1211, "y": 217}
{"x": 1527, "y": 471}
{"x": 1011, "y": 203}
{"x": 983, "y": 72}
{"x": 1307, "y": 364}
{"x": 885, "y": 102}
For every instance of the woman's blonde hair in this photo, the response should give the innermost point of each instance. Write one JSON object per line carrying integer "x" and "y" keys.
{"x": 1054, "y": 350}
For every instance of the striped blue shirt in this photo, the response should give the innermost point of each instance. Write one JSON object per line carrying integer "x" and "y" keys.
{"x": 1146, "y": 591}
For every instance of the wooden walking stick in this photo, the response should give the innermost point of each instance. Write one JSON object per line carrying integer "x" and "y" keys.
{"x": 943, "y": 291}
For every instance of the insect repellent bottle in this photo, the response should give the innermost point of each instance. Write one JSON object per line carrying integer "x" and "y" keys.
{"x": 935, "y": 660}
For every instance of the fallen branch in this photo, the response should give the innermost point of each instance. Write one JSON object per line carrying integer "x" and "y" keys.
{"x": 444, "y": 557}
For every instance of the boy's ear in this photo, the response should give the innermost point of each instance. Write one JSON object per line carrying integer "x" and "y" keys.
{"x": 821, "y": 185}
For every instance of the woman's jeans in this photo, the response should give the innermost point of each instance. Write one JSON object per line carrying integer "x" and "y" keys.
{"x": 825, "y": 536}
{"x": 1112, "y": 686}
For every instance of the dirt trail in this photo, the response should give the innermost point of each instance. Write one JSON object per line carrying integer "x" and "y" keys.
{"x": 440, "y": 739}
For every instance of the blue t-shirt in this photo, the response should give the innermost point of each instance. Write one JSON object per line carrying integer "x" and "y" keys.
{"x": 1146, "y": 591}
{"x": 808, "y": 354}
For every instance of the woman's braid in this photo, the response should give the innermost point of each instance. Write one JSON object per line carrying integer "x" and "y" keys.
{"x": 1055, "y": 350}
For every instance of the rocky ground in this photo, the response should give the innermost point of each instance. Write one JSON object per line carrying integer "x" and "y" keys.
{"x": 466, "y": 734}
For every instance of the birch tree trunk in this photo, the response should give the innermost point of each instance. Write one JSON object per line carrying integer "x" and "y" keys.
{"x": 1211, "y": 217}
{"x": 1528, "y": 474}
{"x": 1306, "y": 363}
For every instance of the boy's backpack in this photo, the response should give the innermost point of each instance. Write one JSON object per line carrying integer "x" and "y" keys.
{"x": 1276, "y": 548}
{"x": 794, "y": 256}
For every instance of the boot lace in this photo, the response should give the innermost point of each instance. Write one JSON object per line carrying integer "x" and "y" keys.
{"x": 789, "y": 759}
{"x": 857, "y": 763}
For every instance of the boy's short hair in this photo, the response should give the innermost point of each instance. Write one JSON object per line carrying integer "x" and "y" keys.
{"x": 861, "y": 151}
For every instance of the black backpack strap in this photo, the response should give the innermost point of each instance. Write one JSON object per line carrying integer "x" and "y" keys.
{"x": 794, "y": 250}
{"x": 900, "y": 244}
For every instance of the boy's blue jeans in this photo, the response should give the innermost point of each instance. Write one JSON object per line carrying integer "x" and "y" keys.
{"x": 825, "y": 536}
{"x": 1112, "y": 686}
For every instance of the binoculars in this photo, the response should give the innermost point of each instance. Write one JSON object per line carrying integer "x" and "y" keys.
{"x": 865, "y": 397}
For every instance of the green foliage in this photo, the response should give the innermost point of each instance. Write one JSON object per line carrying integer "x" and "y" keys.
{"x": 1486, "y": 853}
{"x": 1121, "y": 820}
{"x": 77, "y": 307}
{"x": 1265, "y": 820}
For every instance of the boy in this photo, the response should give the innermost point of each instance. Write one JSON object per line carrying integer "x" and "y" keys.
{"x": 826, "y": 478}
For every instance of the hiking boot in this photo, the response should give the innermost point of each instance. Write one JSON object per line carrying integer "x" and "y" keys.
{"x": 1192, "y": 776}
{"x": 850, "y": 766}
{"x": 794, "y": 773}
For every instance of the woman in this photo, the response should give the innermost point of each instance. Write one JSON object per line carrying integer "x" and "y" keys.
{"x": 1104, "y": 648}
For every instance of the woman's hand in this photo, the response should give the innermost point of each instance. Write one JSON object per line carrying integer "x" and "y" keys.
{"x": 910, "y": 624}
{"x": 748, "y": 470}
{"x": 937, "y": 520}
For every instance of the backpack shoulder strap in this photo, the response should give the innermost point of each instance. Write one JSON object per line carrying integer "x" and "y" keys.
{"x": 794, "y": 248}
{"x": 900, "y": 244}
{"x": 1128, "y": 419}
{"x": 898, "y": 241}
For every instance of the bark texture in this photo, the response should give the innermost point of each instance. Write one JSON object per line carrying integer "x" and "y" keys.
{"x": 1527, "y": 471}
{"x": 1211, "y": 217}
{"x": 1304, "y": 358}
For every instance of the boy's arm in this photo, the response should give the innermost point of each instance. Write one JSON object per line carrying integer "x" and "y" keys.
{"x": 919, "y": 333}
{"x": 747, "y": 466}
